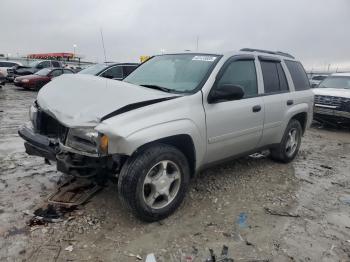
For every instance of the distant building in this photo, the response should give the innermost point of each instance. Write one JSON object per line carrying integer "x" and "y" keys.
{"x": 57, "y": 56}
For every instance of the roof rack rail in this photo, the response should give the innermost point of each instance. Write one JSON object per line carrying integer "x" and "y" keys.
{"x": 267, "y": 52}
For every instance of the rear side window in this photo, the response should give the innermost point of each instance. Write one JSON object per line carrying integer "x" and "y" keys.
{"x": 241, "y": 73}
{"x": 297, "y": 72}
{"x": 55, "y": 64}
{"x": 270, "y": 75}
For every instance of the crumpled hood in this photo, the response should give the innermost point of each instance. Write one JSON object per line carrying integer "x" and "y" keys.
{"x": 82, "y": 100}
{"x": 332, "y": 92}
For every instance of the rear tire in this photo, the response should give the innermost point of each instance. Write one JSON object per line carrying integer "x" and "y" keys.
{"x": 153, "y": 182}
{"x": 288, "y": 148}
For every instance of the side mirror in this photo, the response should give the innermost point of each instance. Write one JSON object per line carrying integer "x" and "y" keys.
{"x": 225, "y": 92}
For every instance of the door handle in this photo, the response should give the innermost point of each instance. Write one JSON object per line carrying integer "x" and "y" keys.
{"x": 290, "y": 102}
{"x": 256, "y": 108}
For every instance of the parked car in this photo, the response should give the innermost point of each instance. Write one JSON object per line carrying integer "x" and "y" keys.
{"x": 40, "y": 78}
{"x": 2, "y": 79}
{"x": 173, "y": 116}
{"x": 117, "y": 71}
{"x": 332, "y": 100}
{"x": 316, "y": 80}
{"x": 5, "y": 66}
{"x": 32, "y": 68}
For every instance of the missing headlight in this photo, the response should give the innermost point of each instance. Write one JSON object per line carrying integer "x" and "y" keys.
{"x": 83, "y": 139}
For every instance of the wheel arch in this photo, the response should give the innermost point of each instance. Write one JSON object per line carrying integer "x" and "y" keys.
{"x": 182, "y": 142}
{"x": 302, "y": 118}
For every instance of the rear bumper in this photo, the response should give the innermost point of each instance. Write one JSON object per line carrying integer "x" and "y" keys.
{"x": 38, "y": 145}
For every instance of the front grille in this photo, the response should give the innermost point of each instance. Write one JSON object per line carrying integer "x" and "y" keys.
{"x": 10, "y": 72}
{"x": 49, "y": 126}
{"x": 341, "y": 103}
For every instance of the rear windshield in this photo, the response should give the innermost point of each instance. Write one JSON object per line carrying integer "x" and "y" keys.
{"x": 341, "y": 82}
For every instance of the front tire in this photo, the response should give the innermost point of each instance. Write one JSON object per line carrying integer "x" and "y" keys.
{"x": 153, "y": 182}
{"x": 288, "y": 148}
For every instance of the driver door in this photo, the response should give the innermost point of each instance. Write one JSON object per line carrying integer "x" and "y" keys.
{"x": 235, "y": 127}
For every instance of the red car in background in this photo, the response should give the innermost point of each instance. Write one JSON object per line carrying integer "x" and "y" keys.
{"x": 40, "y": 78}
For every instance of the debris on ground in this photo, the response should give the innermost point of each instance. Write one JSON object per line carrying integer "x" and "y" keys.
{"x": 74, "y": 192}
{"x": 151, "y": 258}
{"x": 69, "y": 248}
{"x": 326, "y": 167}
{"x": 49, "y": 214}
{"x": 241, "y": 220}
{"x": 279, "y": 213}
{"x": 133, "y": 255}
{"x": 223, "y": 257}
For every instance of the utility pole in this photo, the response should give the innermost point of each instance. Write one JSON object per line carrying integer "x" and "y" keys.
{"x": 103, "y": 45}
{"x": 197, "y": 42}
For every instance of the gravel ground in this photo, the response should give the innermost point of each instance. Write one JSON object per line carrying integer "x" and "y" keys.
{"x": 261, "y": 210}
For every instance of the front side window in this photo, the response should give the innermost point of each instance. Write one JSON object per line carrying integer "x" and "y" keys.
{"x": 45, "y": 64}
{"x": 299, "y": 77}
{"x": 174, "y": 73}
{"x": 341, "y": 82}
{"x": 274, "y": 78}
{"x": 241, "y": 73}
{"x": 114, "y": 72}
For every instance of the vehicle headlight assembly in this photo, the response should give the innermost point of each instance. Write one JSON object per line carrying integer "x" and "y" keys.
{"x": 87, "y": 140}
{"x": 25, "y": 80}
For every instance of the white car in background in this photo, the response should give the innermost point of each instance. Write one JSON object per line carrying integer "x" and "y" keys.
{"x": 316, "y": 80}
{"x": 332, "y": 100}
{"x": 4, "y": 65}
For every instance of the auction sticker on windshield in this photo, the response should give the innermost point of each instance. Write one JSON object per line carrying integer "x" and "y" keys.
{"x": 204, "y": 58}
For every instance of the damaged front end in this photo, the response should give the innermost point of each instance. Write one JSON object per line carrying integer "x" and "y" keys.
{"x": 81, "y": 152}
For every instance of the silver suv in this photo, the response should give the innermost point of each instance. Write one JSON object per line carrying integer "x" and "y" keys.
{"x": 170, "y": 118}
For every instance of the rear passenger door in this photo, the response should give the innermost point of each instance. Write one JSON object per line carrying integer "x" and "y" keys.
{"x": 235, "y": 127}
{"x": 276, "y": 98}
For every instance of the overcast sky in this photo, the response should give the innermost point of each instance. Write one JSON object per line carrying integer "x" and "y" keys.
{"x": 315, "y": 31}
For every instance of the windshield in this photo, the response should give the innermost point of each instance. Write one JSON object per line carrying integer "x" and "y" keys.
{"x": 177, "y": 73}
{"x": 341, "y": 82}
{"x": 93, "y": 70}
{"x": 43, "y": 72}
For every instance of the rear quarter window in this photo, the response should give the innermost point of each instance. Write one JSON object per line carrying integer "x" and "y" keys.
{"x": 299, "y": 77}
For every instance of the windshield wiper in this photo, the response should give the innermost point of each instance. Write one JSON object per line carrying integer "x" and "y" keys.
{"x": 161, "y": 88}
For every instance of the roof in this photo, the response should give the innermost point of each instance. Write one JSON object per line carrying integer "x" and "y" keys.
{"x": 277, "y": 54}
